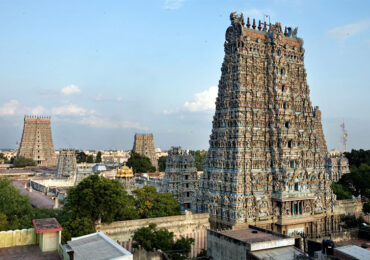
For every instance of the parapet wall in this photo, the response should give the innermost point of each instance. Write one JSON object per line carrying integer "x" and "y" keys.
{"x": 188, "y": 225}
{"x": 17, "y": 237}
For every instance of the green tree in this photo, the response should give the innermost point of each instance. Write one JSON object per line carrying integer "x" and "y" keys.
{"x": 341, "y": 191}
{"x": 351, "y": 221}
{"x": 90, "y": 159}
{"x": 366, "y": 208}
{"x": 140, "y": 163}
{"x": 200, "y": 156}
{"x": 162, "y": 163}
{"x": 3, "y": 222}
{"x": 16, "y": 208}
{"x": 98, "y": 198}
{"x": 151, "y": 238}
{"x": 151, "y": 204}
{"x": 21, "y": 162}
{"x": 81, "y": 157}
{"x": 98, "y": 157}
{"x": 76, "y": 227}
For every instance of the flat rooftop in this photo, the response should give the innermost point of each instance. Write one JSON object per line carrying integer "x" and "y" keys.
{"x": 250, "y": 235}
{"x": 32, "y": 252}
{"x": 46, "y": 225}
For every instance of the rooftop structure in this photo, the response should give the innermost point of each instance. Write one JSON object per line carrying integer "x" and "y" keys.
{"x": 37, "y": 141}
{"x": 266, "y": 161}
{"x": 125, "y": 176}
{"x": 251, "y": 243}
{"x": 351, "y": 252}
{"x": 48, "y": 232}
{"x": 95, "y": 246}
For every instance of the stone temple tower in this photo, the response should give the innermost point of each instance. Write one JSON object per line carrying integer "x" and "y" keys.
{"x": 144, "y": 145}
{"x": 37, "y": 141}
{"x": 67, "y": 163}
{"x": 266, "y": 161}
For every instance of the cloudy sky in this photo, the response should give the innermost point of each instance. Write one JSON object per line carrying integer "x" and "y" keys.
{"x": 105, "y": 70}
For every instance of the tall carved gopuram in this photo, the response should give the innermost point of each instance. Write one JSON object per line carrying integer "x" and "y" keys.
{"x": 37, "y": 141}
{"x": 266, "y": 161}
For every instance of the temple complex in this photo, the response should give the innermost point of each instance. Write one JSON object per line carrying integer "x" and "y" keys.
{"x": 181, "y": 178}
{"x": 144, "y": 145}
{"x": 125, "y": 176}
{"x": 37, "y": 141}
{"x": 67, "y": 165}
{"x": 266, "y": 161}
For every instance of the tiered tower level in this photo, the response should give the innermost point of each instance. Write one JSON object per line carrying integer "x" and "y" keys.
{"x": 266, "y": 161}
{"x": 37, "y": 141}
{"x": 144, "y": 145}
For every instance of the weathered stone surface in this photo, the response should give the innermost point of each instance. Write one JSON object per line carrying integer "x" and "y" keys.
{"x": 266, "y": 161}
{"x": 144, "y": 145}
{"x": 37, "y": 141}
{"x": 67, "y": 164}
{"x": 181, "y": 177}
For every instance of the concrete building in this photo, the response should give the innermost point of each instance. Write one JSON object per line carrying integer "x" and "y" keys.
{"x": 37, "y": 141}
{"x": 48, "y": 233}
{"x": 95, "y": 246}
{"x": 181, "y": 177}
{"x": 144, "y": 145}
{"x": 251, "y": 243}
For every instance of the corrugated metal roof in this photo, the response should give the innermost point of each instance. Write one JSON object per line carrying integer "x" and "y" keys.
{"x": 96, "y": 246}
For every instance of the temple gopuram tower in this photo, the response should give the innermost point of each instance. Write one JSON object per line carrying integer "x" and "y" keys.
{"x": 37, "y": 141}
{"x": 266, "y": 161}
{"x": 67, "y": 163}
{"x": 144, "y": 145}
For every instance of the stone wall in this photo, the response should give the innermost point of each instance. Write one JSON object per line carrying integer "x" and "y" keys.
{"x": 17, "y": 237}
{"x": 188, "y": 225}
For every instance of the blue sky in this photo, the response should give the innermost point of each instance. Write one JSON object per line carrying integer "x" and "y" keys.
{"x": 105, "y": 70}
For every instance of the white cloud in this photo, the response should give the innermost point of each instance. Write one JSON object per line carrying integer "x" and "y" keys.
{"x": 344, "y": 32}
{"x": 101, "y": 98}
{"x": 10, "y": 108}
{"x": 99, "y": 122}
{"x": 14, "y": 108}
{"x": 203, "y": 101}
{"x": 70, "y": 89}
{"x": 69, "y": 110}
{"x": 173, "y": 4}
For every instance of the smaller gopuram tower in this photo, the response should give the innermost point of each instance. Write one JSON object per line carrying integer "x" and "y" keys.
{"x": 37, "y": 141}
{"x": 181, "y": 177}
{"x": 67, "y": 164}
{"x": 144, "y": 145}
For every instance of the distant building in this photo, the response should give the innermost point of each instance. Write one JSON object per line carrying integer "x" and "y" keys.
{"x": 181, "y": 177}
{"x": 67, "y": 165}
{"x": 99, "y": 168}
{"x": 337, "y": 165}
{"x": 144, "y": 145}
{"x": 251, "y": 243}
{"x": 37, "y": 141}
{"x": 95, "y": 246}
{"x": 125, "y": 176}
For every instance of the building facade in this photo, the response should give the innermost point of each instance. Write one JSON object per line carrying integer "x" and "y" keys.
{"x": 266, "y": 161}
{"x": 144, "y": 145}
{"x": 67, "y": 164}
{"x": 37, "y": 141}
{"x": 181, "y": 178}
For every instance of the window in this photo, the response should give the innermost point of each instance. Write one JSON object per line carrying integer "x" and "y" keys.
{"x": 296, "y": 186}
{"x": 290, "y": 143}
{"x": 287, "y": 124}
{"x": 187, "y": 185}
{"x": 186, "y": 177}
{"x": 292, "y": 164}
{"x": 188, "y": 194}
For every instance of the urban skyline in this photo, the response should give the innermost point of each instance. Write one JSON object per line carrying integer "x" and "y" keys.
{"x": 102, "y": 81}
